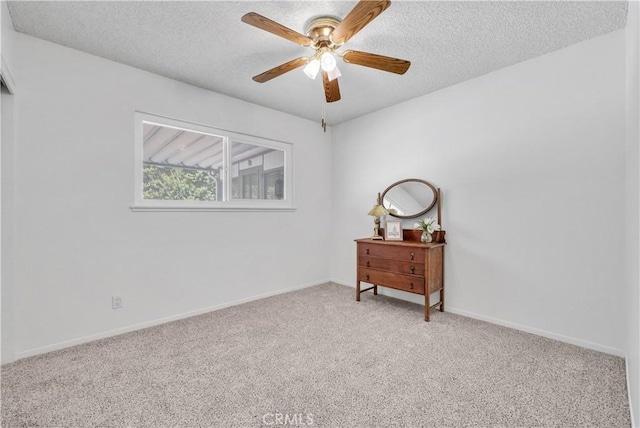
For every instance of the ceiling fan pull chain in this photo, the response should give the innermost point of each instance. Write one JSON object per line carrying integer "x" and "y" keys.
{"x": 324, "y": 122}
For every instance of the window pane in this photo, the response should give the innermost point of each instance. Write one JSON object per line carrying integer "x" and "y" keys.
{"x": 257, "y": 172}
{"x": 274, "y": 184}
{"x": 184, "y": 166}
{"x": 181, "y": 165}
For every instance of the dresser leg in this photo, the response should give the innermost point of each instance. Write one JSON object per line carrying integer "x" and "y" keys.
{"x": 427, "y": 306}
{"x": 375, "y": 290}
{"x": 442, "y": 299}
{"x": 358, "y": 291}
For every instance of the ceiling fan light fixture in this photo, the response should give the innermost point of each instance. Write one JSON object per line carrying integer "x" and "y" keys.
{"x": 333, "y": 74}
{"x": 325, "y": 34}
{"x": 312, "y": 69}
{"x": 327, "y": 61}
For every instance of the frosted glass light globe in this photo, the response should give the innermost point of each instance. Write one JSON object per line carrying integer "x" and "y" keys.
{"x": 311, "y": 70}
{"x": 327, "y": 61}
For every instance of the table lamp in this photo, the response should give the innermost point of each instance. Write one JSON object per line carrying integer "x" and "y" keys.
{"x": 377, "y": 211}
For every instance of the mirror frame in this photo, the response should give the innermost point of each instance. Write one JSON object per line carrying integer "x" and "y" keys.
{"x": 436, "y": 198}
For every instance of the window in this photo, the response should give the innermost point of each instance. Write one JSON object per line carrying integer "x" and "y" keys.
{"x": 185, "y": 166}
{"x": 257, "y": 172}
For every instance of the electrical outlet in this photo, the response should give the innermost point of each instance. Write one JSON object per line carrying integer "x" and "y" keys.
{"x": 116, "y": 302}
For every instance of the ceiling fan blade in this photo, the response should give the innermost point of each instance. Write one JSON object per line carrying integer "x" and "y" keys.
{"x": 273, "y": 27}
{"x": 331, "y": 89}
{"x": 364, "y": 12}
{"x": 384, "y": 63}
{"x": 281, "y": 69}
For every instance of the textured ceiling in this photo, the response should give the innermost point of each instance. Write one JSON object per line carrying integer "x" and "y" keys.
{"x": 204, "y": 43}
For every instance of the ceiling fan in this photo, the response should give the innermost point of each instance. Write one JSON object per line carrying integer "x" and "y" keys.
{"x": 326, "y": 34}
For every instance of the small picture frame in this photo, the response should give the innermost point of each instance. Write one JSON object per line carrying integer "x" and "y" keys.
{"x": 393, "y": 231}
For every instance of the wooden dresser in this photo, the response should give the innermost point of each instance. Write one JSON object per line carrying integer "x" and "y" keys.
{"x": 403, "y": 265}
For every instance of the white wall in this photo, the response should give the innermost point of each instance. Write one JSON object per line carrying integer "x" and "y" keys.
{"x": 8, "y": 295}
{"x": 530, "y": 160}
{"x": 6, "y": 189}
{"x": 76, "y": 241}
{"x": 632, "y": 243}
{"x": 1, "y": 302}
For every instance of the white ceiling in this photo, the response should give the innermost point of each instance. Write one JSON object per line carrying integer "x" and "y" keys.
{"x": 204, "y": 43}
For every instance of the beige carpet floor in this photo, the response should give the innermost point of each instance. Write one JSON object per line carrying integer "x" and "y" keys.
{"x": 315, "y": 357}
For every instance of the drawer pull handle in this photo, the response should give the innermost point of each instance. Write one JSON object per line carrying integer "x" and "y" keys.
{"x": 413, "y": 269}
{"x": 367, "y": 251}
{"x": 412, "y": 255}
{"x": 367, "y": 277}
{"x": 411, "y": 285}
{"x": 367, "y": 263}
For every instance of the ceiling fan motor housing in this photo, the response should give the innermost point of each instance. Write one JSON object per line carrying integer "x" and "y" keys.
{"x": 319, "y": 30}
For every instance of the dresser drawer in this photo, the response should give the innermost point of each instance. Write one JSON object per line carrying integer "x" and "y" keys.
{"x": 411, "y": 268}
{"x": 391, "y": 252}
{"x": 414, "y": 284}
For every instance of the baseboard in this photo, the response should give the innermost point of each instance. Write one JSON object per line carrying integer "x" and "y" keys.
{"x": 539, "y": 332}
{"x": 73, "y": 342}
{"x": 515, "y": 326}
{"x": 346, "y": 284}
{"x": 626, "y": 367}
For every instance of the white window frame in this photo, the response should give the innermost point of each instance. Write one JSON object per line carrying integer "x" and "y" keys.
{"x": 141, "y": 204}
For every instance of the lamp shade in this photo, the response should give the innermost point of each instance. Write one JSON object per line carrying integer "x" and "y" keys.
{"x": 378, "y": 211}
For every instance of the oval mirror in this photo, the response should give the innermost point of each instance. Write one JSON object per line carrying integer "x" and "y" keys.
{"x": 409, "y": 198}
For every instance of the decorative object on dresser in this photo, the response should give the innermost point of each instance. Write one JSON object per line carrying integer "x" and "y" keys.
{"x": 393, "y": 230}
{"x": 410, "y": 265}
{"x": 377, "y": 211}
{"x": 428, "y": 226}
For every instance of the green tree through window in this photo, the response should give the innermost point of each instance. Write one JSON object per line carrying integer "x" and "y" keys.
{"x": 171, "y": 183}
